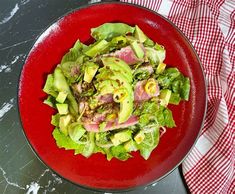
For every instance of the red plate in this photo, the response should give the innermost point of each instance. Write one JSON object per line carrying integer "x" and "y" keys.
{"x": 96, "y": 172}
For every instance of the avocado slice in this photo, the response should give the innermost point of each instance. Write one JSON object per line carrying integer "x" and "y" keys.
{"x": 137, "y": 49}
{"x": 90, "y": 71}
{"x": 116, "y": 76}
{"x": 63, "y": 109}
{"x": 61, "y": 97}
{"x": 126, "y": 106}
{"x": 123, "y": 82}
{"x": 117, "y": 64}
{"x": 64, "y": 122}
{"x": 126, "y": 109}
{"x": 139, "y": 34}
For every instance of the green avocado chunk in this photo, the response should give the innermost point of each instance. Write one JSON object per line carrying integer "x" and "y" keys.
{"x": 90, "y": 71}
{"x": 121, "y": 137}
{"x": 139, "y": 34}
{"x": 62, "y": 109}
{"x": 137, "y": 49}
{"x": 165, "y": 96}
{"x": 61, "y": 97}
{"x": 63, "y": 123}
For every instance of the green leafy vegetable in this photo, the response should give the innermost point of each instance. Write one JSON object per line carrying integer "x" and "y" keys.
{"x": 109, "y": 30}
{"x": 150, "y": 142}
{"x": 74, "y": 52}
{"x": 50, "y": 101}
{"x": 120, "y": 152}
{"x": 49, "y": 86}
{"x": 172, "y": 79}
{"x": 66, "y": 142}
{"x": 55, "y": 119}
{"x": 150, "y": 112}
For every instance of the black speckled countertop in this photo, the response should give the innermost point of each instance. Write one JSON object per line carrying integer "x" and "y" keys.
{"x": 21, "y": 21}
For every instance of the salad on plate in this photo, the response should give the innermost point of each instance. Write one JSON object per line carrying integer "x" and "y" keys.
{"x": 112, "y": 96}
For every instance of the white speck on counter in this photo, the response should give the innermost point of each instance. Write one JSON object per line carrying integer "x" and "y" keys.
{"x": 12, "y": 13}
{"x": 3, "y": 67}
{"x": 9, "y": 182}
{"x": 6, "y": 107}
{"x": 33, "y": 188}
{"x": 15, "y": 59}
{"x": 42, "y": 175}
{"x": 23, "y": 2}
{"x": 8, "y": 67}
{"x": 57, "y": 179}
{"x": 93, "y": 1}
{"x": 154, "y": 184}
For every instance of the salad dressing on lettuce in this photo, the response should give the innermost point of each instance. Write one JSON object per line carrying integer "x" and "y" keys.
{"x": 112, "y": 95}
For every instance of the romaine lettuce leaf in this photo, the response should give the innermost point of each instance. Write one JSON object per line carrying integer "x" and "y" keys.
{"x": 155, "y": 54}
{"x": 50, "y": 101}
{"x": 150, "y": 112}
{"x": 109, "y": 30}
{"x": 55, "y": 119}
{"x": 66, "y": 142}
{"x": 88, "y": 148}
{"x": 174, "y": 99}
{"x": 175, "y": 81}
{"x": 120, "y": 152}
{"x": 49, "y": 86}
{"x": 74, "y": 52}
{"x": 185, "y": 89}
{"x": 150, "y": 142}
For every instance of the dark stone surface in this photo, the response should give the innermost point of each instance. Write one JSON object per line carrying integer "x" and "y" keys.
{"x": 21, "y": 21}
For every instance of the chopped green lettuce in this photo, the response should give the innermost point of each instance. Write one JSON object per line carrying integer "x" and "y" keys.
{"x": 66, "y": 142}
{"x": 120, "y": 152}
{"x": 55, "y": 120}
{"x": 108, "y": 31}
{"x": 50, "y": 101}
{"x": 149, "y": 143}
{"x": 49, "y": 86}
{"x": 172, "y": 79}
{"x": 150, "y": 112}
{"x": 74, "y": 52}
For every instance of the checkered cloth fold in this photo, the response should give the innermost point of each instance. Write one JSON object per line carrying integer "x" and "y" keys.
{"x": 210, "y": 26}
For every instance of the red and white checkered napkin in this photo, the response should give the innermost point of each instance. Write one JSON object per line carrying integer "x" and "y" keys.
{"x": 210, "y": 26}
